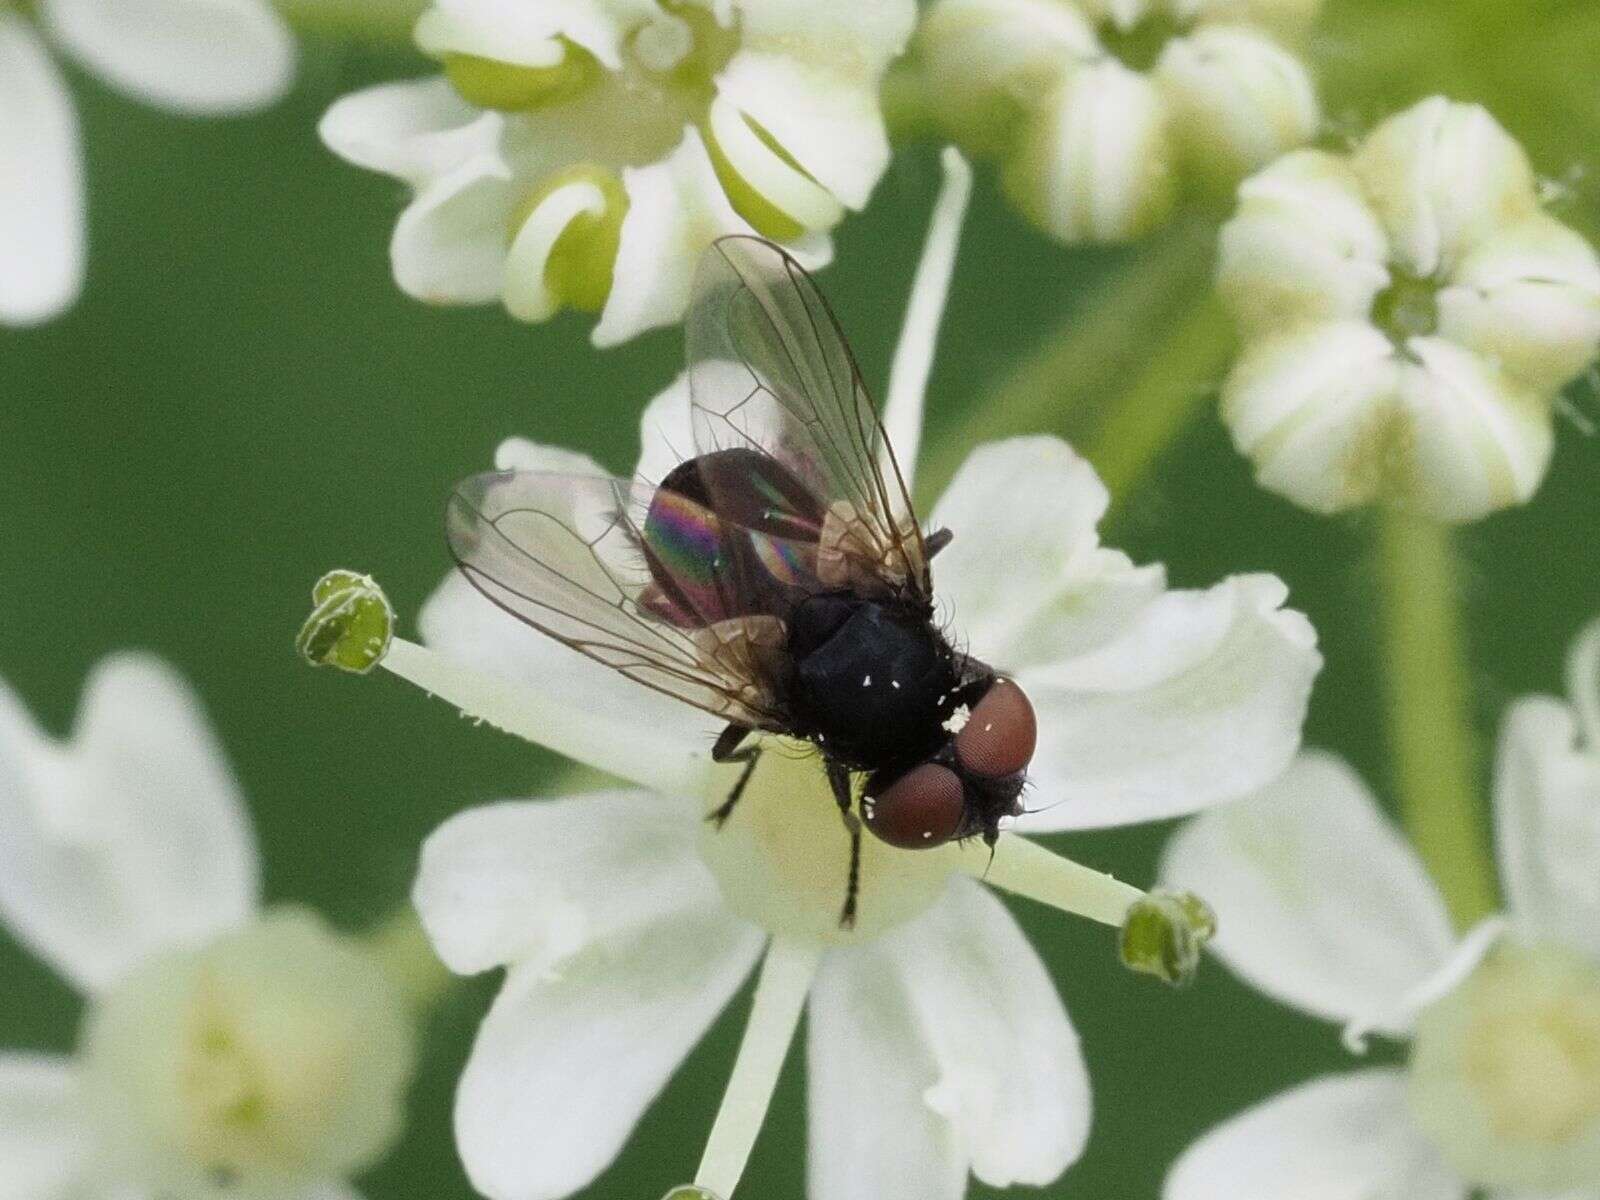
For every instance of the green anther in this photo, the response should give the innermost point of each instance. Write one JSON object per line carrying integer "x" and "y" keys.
{"x": 508, "y": 87}
{"x": 351, "y": 625}
{"x": 581, "y": 263}
{"x": 691, "y": 1192}
{"x": 1164, "y": 933}
{"x": 765, "y": 217}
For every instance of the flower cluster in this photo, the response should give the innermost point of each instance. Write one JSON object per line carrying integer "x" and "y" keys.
{"x": 1323, "y": 906}
{"x": 1410, "y": 313}
{"x": 1099, "y": 109}
{"x": 227, "y": 1050}
{"x": 569, "y": 145}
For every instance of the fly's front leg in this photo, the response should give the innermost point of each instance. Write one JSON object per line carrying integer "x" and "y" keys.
{"x": 727, "y": 750}
{"x": 839, "y": 781}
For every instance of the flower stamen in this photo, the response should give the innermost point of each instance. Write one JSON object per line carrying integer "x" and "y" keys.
{"x": 786, "y": 976}
{"x": 913, "y": 355}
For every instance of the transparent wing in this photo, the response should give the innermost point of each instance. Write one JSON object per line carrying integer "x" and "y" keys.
{"x": 770, "y": 369}
{"x": 564, "y": 554}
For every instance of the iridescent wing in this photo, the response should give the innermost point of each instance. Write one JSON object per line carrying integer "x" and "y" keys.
{"x": 567, "y": 554}
{"x": 770, "y": 370}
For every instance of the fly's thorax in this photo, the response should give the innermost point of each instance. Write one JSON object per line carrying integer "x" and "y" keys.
{"x": 782, "y": 859}
{"x": 873, "y": 681}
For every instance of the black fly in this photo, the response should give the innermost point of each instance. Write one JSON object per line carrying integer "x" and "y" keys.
{"x": 778, "y": 579}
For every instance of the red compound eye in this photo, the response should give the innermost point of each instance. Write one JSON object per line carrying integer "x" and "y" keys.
{"x": 922, "y": 808}
{"x": 999, "y": 737}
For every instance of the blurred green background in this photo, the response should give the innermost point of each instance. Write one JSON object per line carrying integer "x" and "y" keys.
{"x": 243, "y": 400}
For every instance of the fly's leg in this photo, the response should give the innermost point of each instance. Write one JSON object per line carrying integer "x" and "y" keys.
{"x": 839, "y": 781}
{"x": 728, "y": 750}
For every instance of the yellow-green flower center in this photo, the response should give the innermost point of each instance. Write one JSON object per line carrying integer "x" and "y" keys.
{"x": 1407, "y": 308}
{"x": 782, "y": 859}
{"x": 273, "y": 1058}
{"x": 1506, "y": 1071}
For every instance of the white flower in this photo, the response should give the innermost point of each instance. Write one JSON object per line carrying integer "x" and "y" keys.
{"x": 225, "y": 1051}
{"x": 569, "y": 144}
{"x": 201, "y": 57}
{"x": 626, "y": 922}
{"x": 1097, "y": 107}
{"x": 1409, "y": 315}
{"x": 1321, "y": 904}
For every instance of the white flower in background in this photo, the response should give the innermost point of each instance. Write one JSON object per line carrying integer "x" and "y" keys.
{"x": 937, "y": 1045}
{"x": 1097, "y": 108}
{"x": 196, "y": 57}
{"x": 225, "y": 1050}
{"x": 1322, "y": 905}
{"x": 569, "y": 144}
{"x": 1409, "y": 315}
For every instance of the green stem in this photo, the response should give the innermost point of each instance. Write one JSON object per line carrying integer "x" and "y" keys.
{"x": 1078, "y": 378}
{"x": 1432, "y": 743}
{"x": 1180, "y": 376}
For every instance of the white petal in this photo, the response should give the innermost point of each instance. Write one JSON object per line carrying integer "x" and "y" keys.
{"x": 1342, "y": 1137}
{"x": 1547, "y": 821}
{"x": 527, "y": 292}
{"x": 1238, "y": 99}
{"x": 415, "y": 130}
{"x": 45, "y": 1143}
{"x": 191, "y": 56}
{"x": 331, "y": 1189}
{"x": 564, "y": 1067}
{"x": 1199, "y": 700}
{"x": 532, "y": 883}
{"x": 514, "y": 31}
{"x": 1313, "y": 409}
{"x": 1320, "y": 902}
{"x": 450, "y": 244}
{"x": 1529, "y": 298}
{"x": 41, "y": 182}
{"x": 1443, "y": 177}
{"x": 829, "y": 123}
{"x": 631, "y": 720}
{"x": 1096, "y": 160}
{"x": 1479, "y": 440}
{"x": 1029, "y": 583}
{"x": 940, "y": 1048}
{"x": 131, "y": 838}
{"x": 676, "y": 209}
{"x": 1303, "y": 247}
{"x": 666, "y": 433}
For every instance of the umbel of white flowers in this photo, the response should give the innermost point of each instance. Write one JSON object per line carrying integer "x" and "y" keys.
{"x": 566, "y": 145}
{"x": 1101, "y": 111}
{"x": 1409, "y": 315}
{"x": 225, "y": 1051}
{"x": 1324, "y": 906}
{"x": 937, "y": 1047}
{"x": 197, "y": 57}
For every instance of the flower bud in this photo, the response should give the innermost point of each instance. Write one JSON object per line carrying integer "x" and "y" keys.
{"x": 1164, "y": 933}
{"x": 691, "y": 1192}
{"x": 1095, "y": 163}
{"x": 1237, "y": 100}
{"x": 1505, "y": 1072}
{"x": 276, "y": 1057}
{"x": 987, "y": 62}
{"x": 351, "y": 625}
